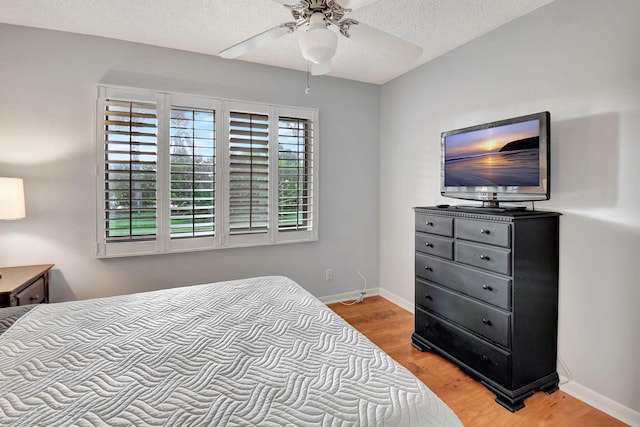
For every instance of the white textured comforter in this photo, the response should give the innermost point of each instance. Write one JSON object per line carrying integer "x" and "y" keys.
{"x": 260, "y": 351}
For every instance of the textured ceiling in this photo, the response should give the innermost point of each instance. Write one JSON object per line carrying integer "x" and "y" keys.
{"x": 209, "y": 26}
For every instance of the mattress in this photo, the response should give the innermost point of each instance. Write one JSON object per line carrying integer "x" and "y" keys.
{"x": 260, "y": 351}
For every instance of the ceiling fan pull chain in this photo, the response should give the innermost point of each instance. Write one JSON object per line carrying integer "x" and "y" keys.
{"x": 307, "y": 90}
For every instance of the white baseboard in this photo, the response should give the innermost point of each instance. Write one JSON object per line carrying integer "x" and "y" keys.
{"x": 407, "y": 305}
{"x": 348, "y": 296}
{"x": 603, "y": 403}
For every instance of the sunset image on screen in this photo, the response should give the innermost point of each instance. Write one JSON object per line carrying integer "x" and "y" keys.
{"x": 500, "y": 156}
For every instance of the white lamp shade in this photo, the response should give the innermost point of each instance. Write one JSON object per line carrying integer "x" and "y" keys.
{"x": 318, "y": 44}
{"x": 321, "y": 68}
{"x": 12, "y": 198}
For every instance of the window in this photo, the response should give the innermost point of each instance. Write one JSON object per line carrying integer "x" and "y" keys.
{"x": 192, "y": 154}
{"x": 130, "y": 163}
{"x": 248, "y": 173}
{"x": 178, "y": 173}
{"x": 295, "y": 173}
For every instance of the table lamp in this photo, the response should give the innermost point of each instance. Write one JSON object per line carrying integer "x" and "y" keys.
{"x": 11, "y": 199}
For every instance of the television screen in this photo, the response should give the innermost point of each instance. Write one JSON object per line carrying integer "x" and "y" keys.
{"x": 503, "y": 160}
{"x": 503, "y": 155}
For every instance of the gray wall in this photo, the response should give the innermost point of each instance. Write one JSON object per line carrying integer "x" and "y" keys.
{"x": 47, "y": 116}
{"x": 579, "y": 59}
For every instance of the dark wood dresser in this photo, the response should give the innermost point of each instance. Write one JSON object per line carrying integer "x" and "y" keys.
{"x": 24, "y": 285}
{"x": 486, "y": 295}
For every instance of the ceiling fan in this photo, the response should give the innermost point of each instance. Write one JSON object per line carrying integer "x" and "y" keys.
{"x": 318, "y": 43}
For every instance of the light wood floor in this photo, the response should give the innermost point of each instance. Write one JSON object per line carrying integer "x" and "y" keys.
{"x": 390, "y": 327}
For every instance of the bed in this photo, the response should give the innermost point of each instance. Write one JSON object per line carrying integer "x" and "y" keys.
{"x": 259, "y": 351}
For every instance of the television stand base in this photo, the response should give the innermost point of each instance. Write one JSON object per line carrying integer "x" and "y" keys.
{"x": 491, "y": 208}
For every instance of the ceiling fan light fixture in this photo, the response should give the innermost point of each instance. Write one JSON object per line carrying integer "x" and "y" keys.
{"x": 320, "y": 69}
{"x": 318, "y": 44}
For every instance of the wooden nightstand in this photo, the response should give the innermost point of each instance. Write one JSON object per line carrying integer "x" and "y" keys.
{"x": 24, "y": 285}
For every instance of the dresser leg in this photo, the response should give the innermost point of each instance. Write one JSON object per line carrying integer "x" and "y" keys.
{"x": 515, "y": 402}
{"x": 416, "y": 342}
{"x": 550, "y": 388}
{"x": 510, "y": 404}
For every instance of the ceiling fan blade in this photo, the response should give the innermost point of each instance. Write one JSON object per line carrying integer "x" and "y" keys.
{"x": 320, "y": 69}
{"x": 384, "y": 43}
{"x": 258, "y": 40}
{"x": 353, "y": 4}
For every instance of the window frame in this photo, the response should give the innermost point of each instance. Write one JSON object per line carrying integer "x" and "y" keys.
{"x": 222, "y": 238}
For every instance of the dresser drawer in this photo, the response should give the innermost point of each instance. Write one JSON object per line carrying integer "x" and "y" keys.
{"x": 474, "y": 352}
{"x": 432, "y": 245}
{"x": 486, "y": 257}
{"x": 479, "y": 318}
{"x": 32, "y": 294}
{"x": 491, "y": 233}
{"x": 434, "y": 224}
{"x": 483, "y": 286}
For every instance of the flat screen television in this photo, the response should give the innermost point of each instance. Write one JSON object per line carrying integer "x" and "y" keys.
{"x": 501, "y": 161}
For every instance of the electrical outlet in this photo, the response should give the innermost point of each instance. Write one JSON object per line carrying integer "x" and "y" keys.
{"x": 328, "y": 274}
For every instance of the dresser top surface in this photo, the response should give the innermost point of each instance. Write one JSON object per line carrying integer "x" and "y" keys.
{"x": 14, "y": 277}
{"x": 484, "y": 213}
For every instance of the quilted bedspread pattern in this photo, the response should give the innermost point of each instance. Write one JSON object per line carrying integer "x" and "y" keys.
{"x": 261, "y": 351}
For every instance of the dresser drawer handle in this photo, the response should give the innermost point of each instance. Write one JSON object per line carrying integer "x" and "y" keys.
{"x": 426, "y": 267}
{"x": 486, "y": 322}
{"x": 485, "y": 257}
{"x": 487, "y": 288}
{"x": 485, "y": 231}
{"x": 428, "y": 297}
{"x": 34, "y": 297}
{"x": 429, "y": 224}
{"x": 485, "y": 359}
{"x": 429, "y": 245}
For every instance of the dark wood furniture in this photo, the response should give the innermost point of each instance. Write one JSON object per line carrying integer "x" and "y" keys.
{"x": 487, "y": 296}
{"x": 23, "y": 285}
